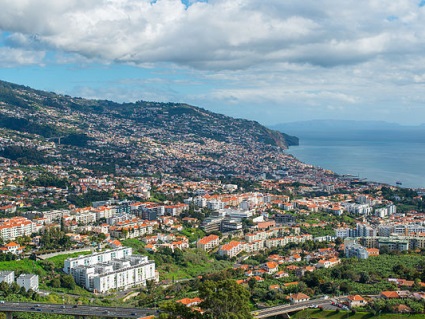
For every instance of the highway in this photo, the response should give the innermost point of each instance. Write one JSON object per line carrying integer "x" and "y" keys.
{"x": 278, "y": 310}
{"x": 77, "y": 311}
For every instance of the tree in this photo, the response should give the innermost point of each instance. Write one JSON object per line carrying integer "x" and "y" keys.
{"x": 364, "y": 277}
{"x": 67, "y": 281}
{"x": 4, "y": 288}
{"x": 55, "y": 283}
{"x": 177, "y": 310}
{"x": 252, "y": 283}
{"x": 224, "y": 299}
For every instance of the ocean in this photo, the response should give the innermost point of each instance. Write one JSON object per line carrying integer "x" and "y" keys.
{"x": 382, "y": 156}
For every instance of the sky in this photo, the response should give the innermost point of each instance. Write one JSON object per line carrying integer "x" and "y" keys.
{"x": 273, "y": 61}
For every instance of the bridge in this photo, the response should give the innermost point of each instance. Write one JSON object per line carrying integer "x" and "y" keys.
{"x": 78, "y": 311}
{"x": 83, "y": 311}
{"x": 286, "y": 309}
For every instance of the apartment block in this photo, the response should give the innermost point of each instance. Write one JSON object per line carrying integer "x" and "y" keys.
{"x": 28, "y": 281}
{"x": 7, "y": 276}
{"x": 114, "y": 269}
{"x": 208, "y": 242}
{"x": 11, "y": 228}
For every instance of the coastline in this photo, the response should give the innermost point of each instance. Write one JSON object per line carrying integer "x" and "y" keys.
{"x": 374, "y": 161}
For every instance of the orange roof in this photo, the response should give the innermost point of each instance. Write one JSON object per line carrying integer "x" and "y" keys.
{"x": 299, "y": 296}
{"x": 208, "y": 239}
{"x": 271, "y": 265}
{"x": 11, "y": 244}
{"x": 355, "y": 298}
{"x": 294, "y": 283}
{"x": 292, "y": 267}
{"x": 390, "y": 294}
{"x": 230, "y": 246}
{"x": 188, "y": 301}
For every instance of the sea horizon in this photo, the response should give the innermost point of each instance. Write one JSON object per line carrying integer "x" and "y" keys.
{"x": 385, "y": 157}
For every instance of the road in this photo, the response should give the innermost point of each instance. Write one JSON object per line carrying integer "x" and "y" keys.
{"x": 278, "y": 310}
{"x": 80, "y": 310}
{"x": 64, "y": 252}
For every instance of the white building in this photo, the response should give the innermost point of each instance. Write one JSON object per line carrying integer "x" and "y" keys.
{"x": 11, "y": 228}
{"x": 342, "y": 232}
{"x": 215, "y": 204}
{"x": 28, "y": 281}
{"x": 114, "y": 269}
{"x": 7, "y": 276}
{"x": 96, "y": 258}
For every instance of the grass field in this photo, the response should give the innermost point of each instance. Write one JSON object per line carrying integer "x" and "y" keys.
{"x": 59, "y": 260}
{"x": 25, "y": 266}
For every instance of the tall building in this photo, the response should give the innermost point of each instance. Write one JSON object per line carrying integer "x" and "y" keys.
{"x": 28, "y": 281}
{"x": 11, "y": 228}
{"x": 7, "y": 276}
{"x": 355, "y": 250}
{"x": 112, "y": 269}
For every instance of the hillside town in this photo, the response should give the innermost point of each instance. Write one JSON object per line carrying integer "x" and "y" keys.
{"x": 152, "y": 216}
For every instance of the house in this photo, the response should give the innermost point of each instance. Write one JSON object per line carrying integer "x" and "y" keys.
{"x": 373, "y": 252}
{"x": 258, "y": 278}
{"x": 208, "y": 242}
{"x": 328, "y": 263}
{"x": 292, "y": 267}
{"x": 299, "y": 297}
{"x": 295, "y": 257}
{"x": 356, "y": 301}
{"x": 231, "y": 249}
{"x": 271, "y": 267}
{"x": 151, "y": 248}
{"x": 274, "y": 287}
{"x": 389, "y": 295}
{"x": 281, "y": 274}
{"x": 402, "y": 309}
{"x": 12, "y": 247}
{"x": 190, "y": 302}
{"x": 114, "y": 243}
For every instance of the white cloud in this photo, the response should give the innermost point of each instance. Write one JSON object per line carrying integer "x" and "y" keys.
{"x": 220, "y": 34}
{"x": 11, "y": 57}
{"x": 250, "y": 58}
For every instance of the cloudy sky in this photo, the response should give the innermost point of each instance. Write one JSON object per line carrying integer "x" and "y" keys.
{"x": 270, "y": 60}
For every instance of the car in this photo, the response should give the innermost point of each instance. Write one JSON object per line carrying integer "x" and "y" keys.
{"x": 74, "y": 306}
{"x": 38, "y": 309}
{"x": 63, "y": 307}
{"x": 1, "y": 301}
{"x": 32, "y": 308}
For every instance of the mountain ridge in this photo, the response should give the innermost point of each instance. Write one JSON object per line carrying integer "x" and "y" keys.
{"x": 139, "y": 132}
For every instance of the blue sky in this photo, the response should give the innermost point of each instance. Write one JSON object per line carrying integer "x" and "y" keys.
{"x": 272, "y": 61}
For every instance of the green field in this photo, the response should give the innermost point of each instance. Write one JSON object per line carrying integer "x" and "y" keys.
{"x": 23, "y": 266}
{"x": 59, "y": 260}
